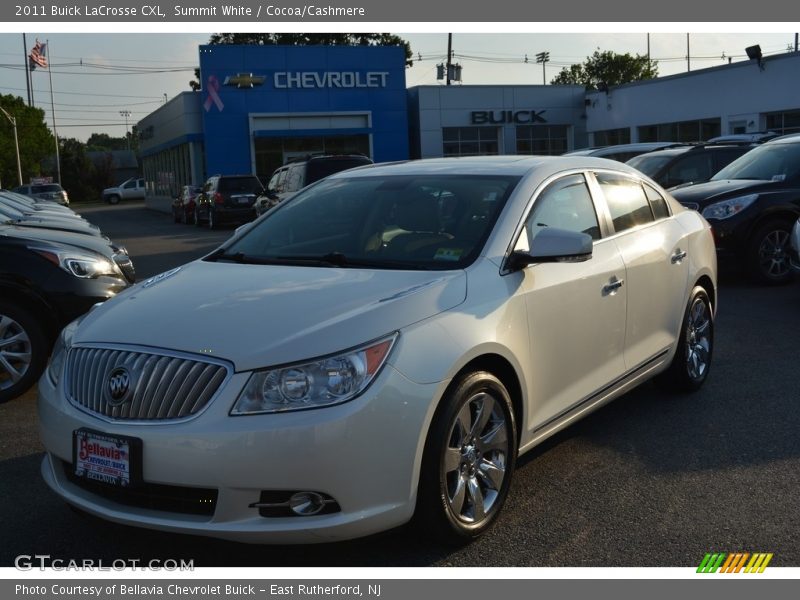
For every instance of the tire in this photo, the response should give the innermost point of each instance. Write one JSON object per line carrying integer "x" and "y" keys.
{"x": 468, "y": 460}
{"x": 768, "y": 253}
{"x": 113, "y": 199}
{"x": 23, "y": 351}
{"x": 692, "y": 361}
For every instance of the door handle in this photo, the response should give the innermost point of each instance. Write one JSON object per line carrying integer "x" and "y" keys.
{"x": 677, "y": 256}
{"x": 612, "y": 286}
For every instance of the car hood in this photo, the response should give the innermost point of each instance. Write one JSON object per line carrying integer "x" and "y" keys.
{"x": 709, "y": 192}
{"x": 261, "y": 315}
{"x": 72, "y": 225}
{"x": 89, "y": 242}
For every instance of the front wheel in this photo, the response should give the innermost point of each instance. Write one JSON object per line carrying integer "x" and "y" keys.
{"x": 23, "y": 351}
{"x": 692, "y": 361}
{"x": 469, "y": 458}
{"x": 768, "y": 253}
{"x": 113, "y": 199}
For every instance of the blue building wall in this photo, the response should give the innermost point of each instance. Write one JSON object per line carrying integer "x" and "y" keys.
{"x": 371, "y": 79}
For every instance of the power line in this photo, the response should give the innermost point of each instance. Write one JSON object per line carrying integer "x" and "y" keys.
{"x": 160, "y": 98}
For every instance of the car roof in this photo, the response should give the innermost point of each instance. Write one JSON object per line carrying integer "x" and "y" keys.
{"x": 635, "y": 147}
{"x": 508, "y": 165}
{"x": 791, "y": 138}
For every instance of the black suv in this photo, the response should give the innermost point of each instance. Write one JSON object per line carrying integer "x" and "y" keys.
{"x": 303, "y": 171}
{"x": 752, "y": 205}
{"x": 227, "y": 199}
{"x": 693, "y": 163}
{"x": 47, "y": 279}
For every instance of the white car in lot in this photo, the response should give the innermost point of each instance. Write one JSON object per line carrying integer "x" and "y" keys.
{"x": 381, "y": 346}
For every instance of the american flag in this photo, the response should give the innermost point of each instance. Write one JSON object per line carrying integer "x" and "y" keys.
{"x": 38, "y": 55}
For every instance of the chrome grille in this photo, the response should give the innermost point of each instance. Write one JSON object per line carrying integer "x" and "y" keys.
{"x": 164, "y": 387}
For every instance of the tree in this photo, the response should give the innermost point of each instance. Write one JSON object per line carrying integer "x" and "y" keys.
{"x": 602, "y": 70}
{"x": 307, "y": 39}
{"x": 35, "y": 140}
{"x": 77, "y": 171}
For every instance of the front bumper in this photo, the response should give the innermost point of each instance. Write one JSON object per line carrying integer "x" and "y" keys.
{"x": 365, "y": 453}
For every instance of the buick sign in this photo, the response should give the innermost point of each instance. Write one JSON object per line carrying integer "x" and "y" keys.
{"x": 500, "y": 117}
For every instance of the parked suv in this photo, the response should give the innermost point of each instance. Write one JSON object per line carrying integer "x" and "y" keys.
{"x": 53, "y": 192}
{"x": 693, "y": 163}
{"x": 227, "y": 199}
{"x": 132, "y": 189}
{"x": 752, "y": 205}
{"x": 299, "y": 173}
{"x": 47, "y": 279}
{"x": 621, "y": 152}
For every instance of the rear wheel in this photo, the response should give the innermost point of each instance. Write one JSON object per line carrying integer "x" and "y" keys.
{"x": 768, "y": 253}
{"x": 23, "y": 351}
{"x": 113, "y": 199}
{"x": 468, "y": 461}
{"x": 692, "y": 361}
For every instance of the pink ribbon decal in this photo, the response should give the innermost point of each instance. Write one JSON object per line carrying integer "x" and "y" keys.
{"x": 213, "y": 96}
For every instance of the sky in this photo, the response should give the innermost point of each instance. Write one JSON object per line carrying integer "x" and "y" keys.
{"x": 98, "y": 75}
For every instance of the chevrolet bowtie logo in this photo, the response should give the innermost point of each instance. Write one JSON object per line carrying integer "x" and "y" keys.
{"x": 244, "y": 80}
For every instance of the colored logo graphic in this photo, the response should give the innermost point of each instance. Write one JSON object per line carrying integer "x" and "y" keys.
{"x": 735, "y": 562}
{"x": 244, "y": 80}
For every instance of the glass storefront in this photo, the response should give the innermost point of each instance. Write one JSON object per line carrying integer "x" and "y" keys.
{"x": 469, "y": 141}
{"x": 273, "y": 152}
{"x": 682, "y": 131}
{"x": 542, "y": 139}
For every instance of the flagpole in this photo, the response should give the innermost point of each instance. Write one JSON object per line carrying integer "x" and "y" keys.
{"x": 27, "y": 69}
{"x": 53, "y": 109}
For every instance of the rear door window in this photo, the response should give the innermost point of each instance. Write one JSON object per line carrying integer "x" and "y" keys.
{"x": 626, "y": 201}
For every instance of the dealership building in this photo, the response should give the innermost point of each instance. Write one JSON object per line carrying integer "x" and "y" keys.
{"x": 261, "y": 106}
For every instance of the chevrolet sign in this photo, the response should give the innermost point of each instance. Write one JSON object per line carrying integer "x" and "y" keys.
{"x": 331, "y": 79}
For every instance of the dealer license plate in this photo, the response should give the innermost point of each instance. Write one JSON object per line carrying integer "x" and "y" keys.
{"x": 110, "y": 459}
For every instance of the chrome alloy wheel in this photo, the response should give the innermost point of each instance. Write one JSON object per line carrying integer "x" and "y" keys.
{"x": 474, "y": 461}
{"x": 773, "y": 256}
{"x": 698, "y": 339}
{"x": 15, "y": 352}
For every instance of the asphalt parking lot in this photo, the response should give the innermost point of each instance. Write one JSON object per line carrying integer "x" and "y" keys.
{"x": 650, "y": 480}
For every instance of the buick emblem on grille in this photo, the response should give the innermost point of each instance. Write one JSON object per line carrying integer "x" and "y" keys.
{"x": 118, "y": 386}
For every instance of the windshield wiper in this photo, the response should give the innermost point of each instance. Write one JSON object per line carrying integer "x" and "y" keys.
{"x": 339, "y": 259}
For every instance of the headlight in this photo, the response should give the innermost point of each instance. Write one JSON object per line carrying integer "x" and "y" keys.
{"x": 80, "y": 263}
{"x": 321, "y": 382}
{"x": 59, "y": 353}
{"x": 728, "y": 208}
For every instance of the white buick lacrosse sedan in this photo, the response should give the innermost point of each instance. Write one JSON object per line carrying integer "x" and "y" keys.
{"x": 380, "y": 347}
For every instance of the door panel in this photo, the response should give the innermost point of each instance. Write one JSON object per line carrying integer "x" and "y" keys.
{"x": 656, "y": 282}
{"x": 577, "y": 330}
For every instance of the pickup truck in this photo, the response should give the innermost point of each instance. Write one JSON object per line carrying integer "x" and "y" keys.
{"x": 132, "y": 189}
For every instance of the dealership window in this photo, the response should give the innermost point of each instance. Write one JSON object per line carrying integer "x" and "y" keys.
{"x": 542, "y": 139}
{"x": 273, "y": 152}
{"x": 681, "y": 131}
{"x": 784, "y": 122}
{"x": 612, "y": 137}
{"x": 469, "y": 141}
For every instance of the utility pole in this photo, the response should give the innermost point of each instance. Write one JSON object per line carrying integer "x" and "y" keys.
{"x": 53, "y": 109}
{"x": 544, "y": 58}
{"x": 449, "y": 65}
{"x": 13, "y": 122}
{"x": 648, "y": 48}
{"x": 795, "y": 42}
{"x": 126, "y": 113}
{"x": 688, "y": 59}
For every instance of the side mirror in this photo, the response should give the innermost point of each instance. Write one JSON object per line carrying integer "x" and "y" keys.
{"x": 553, "y": 245}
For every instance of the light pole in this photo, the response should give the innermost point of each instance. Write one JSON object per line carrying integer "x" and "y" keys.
{"x": 13, "y": 122}
{"x": 543, "y": 57}
{"x": 126, "y": 114}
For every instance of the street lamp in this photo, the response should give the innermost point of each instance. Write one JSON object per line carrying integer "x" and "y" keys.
{"x": 13, "y": 122}
{"x": 543, "y": 57}
{"x": 126, "y": 114}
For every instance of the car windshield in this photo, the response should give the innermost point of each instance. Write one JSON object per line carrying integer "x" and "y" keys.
{"x": 250, "y": 185}
{"x": 47, "y": 188}
{"x": 648, "y": 163}
{"x": 413, "y": 222}
{"x": 770, "y": 162}
{"x": 319, "y": 169}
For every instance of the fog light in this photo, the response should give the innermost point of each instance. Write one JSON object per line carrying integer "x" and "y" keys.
{"x": 306, "y": 503}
